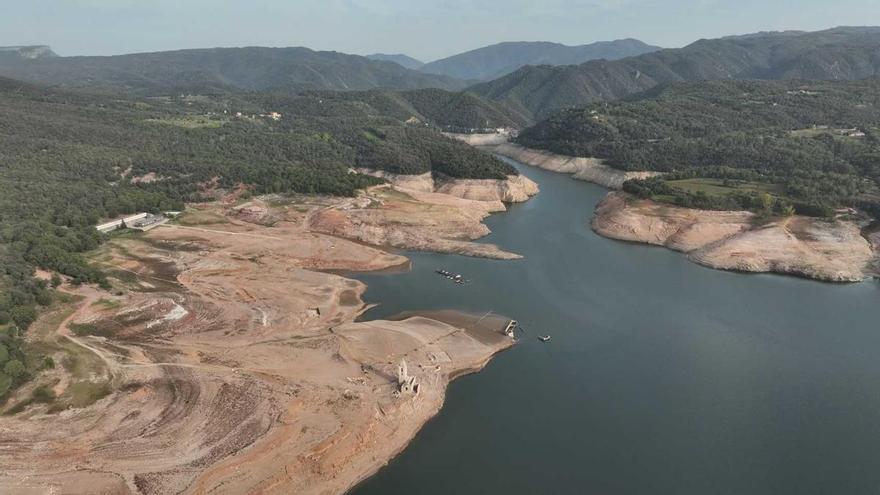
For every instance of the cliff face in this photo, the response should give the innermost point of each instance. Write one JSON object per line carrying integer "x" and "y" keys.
{"x": 833, "y": 251}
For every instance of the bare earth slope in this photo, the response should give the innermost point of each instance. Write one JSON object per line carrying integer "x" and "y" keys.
{"x": 232, "y": 359}
{"x": 809, "y": 247}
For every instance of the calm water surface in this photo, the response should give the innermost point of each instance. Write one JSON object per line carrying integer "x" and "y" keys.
{"x": 661, "y": 377}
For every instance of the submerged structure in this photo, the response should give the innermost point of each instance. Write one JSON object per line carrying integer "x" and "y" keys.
{"x": 406, "y": 384}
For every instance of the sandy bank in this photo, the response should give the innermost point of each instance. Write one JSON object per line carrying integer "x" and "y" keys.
{"x": 814, "y": 248}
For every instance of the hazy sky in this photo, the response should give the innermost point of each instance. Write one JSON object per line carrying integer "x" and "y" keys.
{"x": 424, "y": 29}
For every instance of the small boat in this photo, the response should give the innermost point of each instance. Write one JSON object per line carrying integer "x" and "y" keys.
{"x": 543, "y": 338}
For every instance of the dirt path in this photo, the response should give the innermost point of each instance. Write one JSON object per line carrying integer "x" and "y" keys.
{"x": 245, "y": 234}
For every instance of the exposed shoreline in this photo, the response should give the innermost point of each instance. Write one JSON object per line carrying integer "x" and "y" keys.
{"x": 831, "y": 251}
{"x": 239, "y": 346}
{"x": 585, "y": 169}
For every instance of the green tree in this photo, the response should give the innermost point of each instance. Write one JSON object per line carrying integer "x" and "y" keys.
{"x": 766, "y": 203}
{"x": 13, "y": 368}
{"x": 23, "y": 316}
{"x": 56, "y": 280}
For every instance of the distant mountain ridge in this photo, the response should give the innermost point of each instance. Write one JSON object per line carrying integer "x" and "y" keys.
{"x": 839, "y": 53}
{"x": 497, "y": 60}
{"x": 398, "y": 58}
{"x": 220, "y": 69}
{"x": 27, "y": 52}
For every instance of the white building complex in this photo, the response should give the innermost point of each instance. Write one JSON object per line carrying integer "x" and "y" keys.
{"x": 139, "y": 221}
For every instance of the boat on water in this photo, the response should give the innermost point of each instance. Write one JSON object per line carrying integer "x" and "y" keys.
{"x": 455, "y": 277}
{"x": 543, "y": 338}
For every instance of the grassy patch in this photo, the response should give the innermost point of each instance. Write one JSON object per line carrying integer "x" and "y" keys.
{"x": 83, "y": 329}
{"x": 82, "y": 364}
{"x": 40, "y": 395}
{"x": 107, "y": 303}
{"x": 85, "y": 393}
{"x": 200, "y": 217}
{"x": 720, "y": 187}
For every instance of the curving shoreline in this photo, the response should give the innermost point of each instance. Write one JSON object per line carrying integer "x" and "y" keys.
{"x": 832, "y": 251}
{"x": 585, "y": 169}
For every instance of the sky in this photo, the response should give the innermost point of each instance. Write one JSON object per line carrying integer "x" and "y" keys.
{"x": 427, "y": 30}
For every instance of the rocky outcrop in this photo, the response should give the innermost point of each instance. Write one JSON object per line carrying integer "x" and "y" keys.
{"x": 513, "y": 189}
{"x": 830, "y": 250}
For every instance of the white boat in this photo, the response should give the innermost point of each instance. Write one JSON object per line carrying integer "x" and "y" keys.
{"x": 543, "y": 338}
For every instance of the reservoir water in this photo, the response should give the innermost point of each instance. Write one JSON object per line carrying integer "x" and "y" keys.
{"x": 661, "y": 377}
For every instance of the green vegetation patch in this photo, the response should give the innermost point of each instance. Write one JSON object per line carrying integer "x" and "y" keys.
{"x": 191, "y": 122}
{"x": 83, "y": 329}
{"x": 724, "y": 187}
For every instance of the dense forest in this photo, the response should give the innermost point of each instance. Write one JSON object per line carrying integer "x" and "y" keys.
{"x": 844, "y": 53}
{"x": 812, "y": 145}
{"x": 69, "y": 160}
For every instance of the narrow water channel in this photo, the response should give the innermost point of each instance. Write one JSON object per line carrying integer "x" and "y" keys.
{"x": 661, "y": 376}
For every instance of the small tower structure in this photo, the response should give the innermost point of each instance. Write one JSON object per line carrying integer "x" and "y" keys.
{"x": 406, "y": 384}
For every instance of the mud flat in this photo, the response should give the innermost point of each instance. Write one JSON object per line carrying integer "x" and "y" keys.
{"x": 233, "y": 359}
{"x": 834, "y": 251}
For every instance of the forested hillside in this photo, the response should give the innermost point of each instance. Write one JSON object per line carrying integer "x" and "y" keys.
{"x": 835, "y": 54}
{"x": 498, "y": 60}
{"x": 446, "y": 110}
{"x": 69, "y": 160}
{"x": 220, "y": 70}
{"x": 811, "y": 145}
